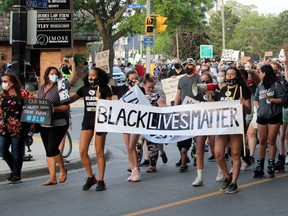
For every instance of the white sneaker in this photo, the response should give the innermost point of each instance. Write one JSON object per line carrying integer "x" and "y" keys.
{"x": 198, "y": 182}
{"x": 286, "y": 160}
{"x": 220, "y": 176}
{"x": 244, "y": 166}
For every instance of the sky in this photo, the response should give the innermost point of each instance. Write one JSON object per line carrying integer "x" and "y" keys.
{"x": 267, "y": 6}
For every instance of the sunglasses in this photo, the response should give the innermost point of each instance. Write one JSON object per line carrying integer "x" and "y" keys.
{"x": 5, "y": 81}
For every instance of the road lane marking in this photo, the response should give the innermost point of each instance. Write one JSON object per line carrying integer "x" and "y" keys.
{"x": 169, "y": 205}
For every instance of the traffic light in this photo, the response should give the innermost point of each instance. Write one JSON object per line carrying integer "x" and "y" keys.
{"x": 149, "y": 27}
{"x": 160, "y": 26}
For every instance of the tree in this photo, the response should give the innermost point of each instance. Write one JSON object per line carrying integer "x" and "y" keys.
{"x": 113, "y": 20}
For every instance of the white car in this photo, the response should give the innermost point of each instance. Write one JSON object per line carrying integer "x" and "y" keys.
{"x": 118, "y": 76}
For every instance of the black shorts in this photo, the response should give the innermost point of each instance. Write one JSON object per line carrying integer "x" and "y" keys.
{"x": 274, "y": 120}
{"x": 91, "y": 127}
{"x": 184, "y": 144}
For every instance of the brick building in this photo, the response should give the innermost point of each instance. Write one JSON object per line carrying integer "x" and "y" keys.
{"x": 40, "y": 59}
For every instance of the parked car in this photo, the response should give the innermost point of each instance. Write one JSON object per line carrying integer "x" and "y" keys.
{"x": 118, "y": 76}
{"x": 31, "y": 79}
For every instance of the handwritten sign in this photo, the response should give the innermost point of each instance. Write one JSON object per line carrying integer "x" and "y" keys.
{"x": 63, "y": 90}
{"x": 102, "y": 60}
{"x": 36, "y": 111}
{"x": 170, "y": 88}
{"x": 230, "y": 55}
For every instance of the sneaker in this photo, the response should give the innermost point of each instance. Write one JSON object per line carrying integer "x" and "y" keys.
{"x": 220, "y": 176}
{"x": 15, "y": 180}
{"x": 183, "y": 168}
{"x": 198, "y": 182}
{"x": 211, "y": 158}
{"x": 180, "y": 162}
{"x": 145, "y": 163}
{"x": 232, "y": 189}
{"x": 9, "y": 177}
{"x": 164, "y": 158}
{"x": 225, "y": 184}
{"x": 89, "y": 183}
{"x": 100, "y": 186}
{"x": 244, "y": 166}
{"x": 252, "y": 159}
{"x": 286, "y": 160}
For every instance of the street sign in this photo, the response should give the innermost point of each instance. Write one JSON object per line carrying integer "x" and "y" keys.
{"x": 206, "y": 51}
{"x": 37, "y": 4}
{"x": 148, "y": 41}
{"x": 133, "y": 6}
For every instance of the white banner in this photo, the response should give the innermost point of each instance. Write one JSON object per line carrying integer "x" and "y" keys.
{"x": 170, "y": 88}
{"x": 224, "y": 117}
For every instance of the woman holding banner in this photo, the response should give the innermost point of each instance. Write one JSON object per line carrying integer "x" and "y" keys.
{"x": 95, "y": 86}
{"x": 11, "y": 104}
{"x": 130, "y": 139}
{"x": 53, "y": 134}
{"x": 236, "y": 89}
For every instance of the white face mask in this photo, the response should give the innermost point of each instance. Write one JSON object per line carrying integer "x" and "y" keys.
{"x": 220, "y": 79}
{"x": 5, "y": 86}
{"x": 53, "y": 78}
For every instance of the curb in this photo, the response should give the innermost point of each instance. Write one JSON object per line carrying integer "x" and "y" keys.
{"x": 42, "y": 170}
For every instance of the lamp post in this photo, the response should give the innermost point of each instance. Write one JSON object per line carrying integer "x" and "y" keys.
{"x": 148, "y": 48}
{"x": 19, "y": 37}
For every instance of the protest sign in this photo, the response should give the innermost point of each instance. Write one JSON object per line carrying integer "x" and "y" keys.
{"x": 170, "y": 88}
{"x": 36, "y": 111}
{"x": 230, "y": 55}
{"x": 102, "y": 60}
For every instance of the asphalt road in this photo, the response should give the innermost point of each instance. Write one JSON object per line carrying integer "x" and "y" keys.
{"x": 166, "y": 192}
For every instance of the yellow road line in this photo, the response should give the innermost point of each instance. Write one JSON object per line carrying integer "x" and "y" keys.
{"x": 169, "y": 205}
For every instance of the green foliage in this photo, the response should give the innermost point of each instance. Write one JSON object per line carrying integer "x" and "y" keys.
{"x": 247, "y": 31}
{"x": 79, "y": 58}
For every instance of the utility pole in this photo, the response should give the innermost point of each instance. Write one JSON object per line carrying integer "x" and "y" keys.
{"x": 19, "y": 37}
{"x": 148, "y": 48}
{"x": 223, "y": 26}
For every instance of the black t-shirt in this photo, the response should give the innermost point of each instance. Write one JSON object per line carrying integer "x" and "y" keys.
{"x": 90, "y": 102}
{"x": 174, "y": 73}
{"x": 232, "y": 95}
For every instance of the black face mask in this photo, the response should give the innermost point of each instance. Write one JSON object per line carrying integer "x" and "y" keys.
{"x": 93, "y": 82}
{"x": 177, "y": 66}
{"x": 130, "y": 83}
{"x": 231, "y": 82}
{"x": 65, "y": 69}
{"x": 189, "y": 70}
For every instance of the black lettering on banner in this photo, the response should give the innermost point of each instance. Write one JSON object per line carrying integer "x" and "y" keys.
{"x": 141, "y": 119}
{"x": 121, "y": 115}
{"x": 233, "y": 117}
{"x": 102, "y": 114}
{"x": 223, "y": 117}
{"x": 129, "y": 120}
{"x": 127, "y": 99}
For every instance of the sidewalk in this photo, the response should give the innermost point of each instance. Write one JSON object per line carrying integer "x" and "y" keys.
{"x": 37, "y": 166}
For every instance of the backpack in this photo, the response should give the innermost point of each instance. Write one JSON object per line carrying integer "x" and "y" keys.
{"x": 284, "y": 83}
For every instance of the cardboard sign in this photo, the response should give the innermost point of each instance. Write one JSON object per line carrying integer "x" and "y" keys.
{"x": 170, "y": 88}
{"x": 36, "y": 111}
{"x": 102, "y": 60}
{"x": 230, "y": 55}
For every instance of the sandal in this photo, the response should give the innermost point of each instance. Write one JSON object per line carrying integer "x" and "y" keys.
{"x": 48, "y": 183}
{"x": 65, "y": 177}
{"x": 151, "y": 169}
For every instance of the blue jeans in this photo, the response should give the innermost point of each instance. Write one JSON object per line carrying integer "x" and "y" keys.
{"x": 14, "y": 159}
